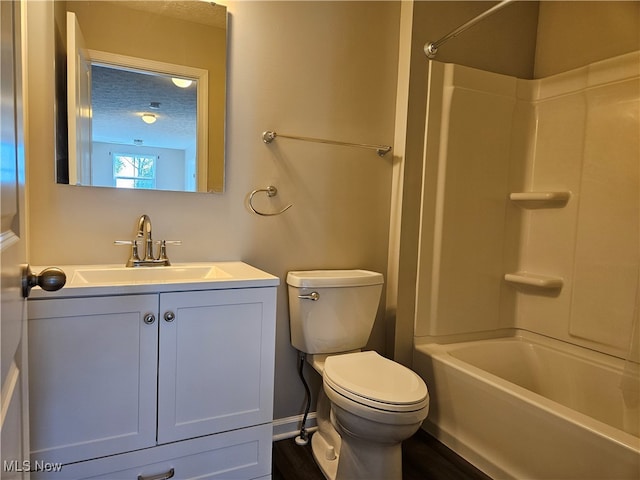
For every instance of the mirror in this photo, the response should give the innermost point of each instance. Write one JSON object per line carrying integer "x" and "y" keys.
{"x": 122, "y": 118}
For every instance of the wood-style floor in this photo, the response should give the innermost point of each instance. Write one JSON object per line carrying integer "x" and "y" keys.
{"x": 423, "y": 458}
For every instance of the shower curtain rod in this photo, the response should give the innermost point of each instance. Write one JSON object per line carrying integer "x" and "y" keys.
{"x": 431, "y": 48}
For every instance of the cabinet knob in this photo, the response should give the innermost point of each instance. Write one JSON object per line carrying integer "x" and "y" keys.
{"x": 169, "y": 316}
{"x": 149, "y": 318}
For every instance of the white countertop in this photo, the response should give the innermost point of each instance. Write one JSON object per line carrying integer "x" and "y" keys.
{"x": 100, "y": 280}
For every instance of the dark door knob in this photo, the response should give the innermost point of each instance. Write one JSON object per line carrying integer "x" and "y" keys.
{"x": 50, "y": 279}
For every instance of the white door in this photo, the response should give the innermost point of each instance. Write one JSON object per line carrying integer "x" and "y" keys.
{"x": 13, "y": 383}
{"x": 78, "y": 104}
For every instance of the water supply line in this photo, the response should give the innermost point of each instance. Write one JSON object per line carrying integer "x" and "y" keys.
{"x": 303, "y": 438}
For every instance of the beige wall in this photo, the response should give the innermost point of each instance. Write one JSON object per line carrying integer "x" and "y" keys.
{"x": 325, "y": 69}
{"x": 574, "y": 34}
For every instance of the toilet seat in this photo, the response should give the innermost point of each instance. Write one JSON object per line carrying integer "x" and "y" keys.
{"x": 369, "y": 379}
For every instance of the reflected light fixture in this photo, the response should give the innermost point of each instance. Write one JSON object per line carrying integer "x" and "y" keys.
{"x": 181, "y": 82}
{"x": 149, "y": 118}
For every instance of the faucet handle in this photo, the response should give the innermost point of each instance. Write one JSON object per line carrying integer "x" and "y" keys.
{"x": 163, "y": 250}
{"x": 135, "y": 257}
{"x": 164, "y": 243}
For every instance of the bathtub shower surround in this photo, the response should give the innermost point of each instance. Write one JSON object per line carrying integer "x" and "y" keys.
{"x": 531, "y": 223}
{"x": 490, "y": 136}
{"x": 630, "y": 381}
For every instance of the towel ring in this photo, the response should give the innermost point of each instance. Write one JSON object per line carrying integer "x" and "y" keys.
{"x": 271, "y": 191}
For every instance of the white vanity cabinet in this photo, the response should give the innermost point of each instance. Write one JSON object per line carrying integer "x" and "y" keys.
{"x": 153, "y": 385}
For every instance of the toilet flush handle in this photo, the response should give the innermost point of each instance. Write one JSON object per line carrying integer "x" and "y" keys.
{"x": 311, "y": 296}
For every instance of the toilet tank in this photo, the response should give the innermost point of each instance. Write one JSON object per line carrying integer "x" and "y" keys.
{"x": 341, "y": 316}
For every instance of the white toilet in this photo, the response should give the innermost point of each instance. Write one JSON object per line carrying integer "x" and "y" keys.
{"x": 368, "y": 404}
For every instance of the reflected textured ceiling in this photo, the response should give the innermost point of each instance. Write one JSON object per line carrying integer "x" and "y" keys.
{"x": 120, "y": 97}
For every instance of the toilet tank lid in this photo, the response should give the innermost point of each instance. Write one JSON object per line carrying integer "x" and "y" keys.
{"x": 334, "y": 278}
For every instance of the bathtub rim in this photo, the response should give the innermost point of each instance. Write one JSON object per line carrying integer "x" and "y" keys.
{"x": 440, "y": 352}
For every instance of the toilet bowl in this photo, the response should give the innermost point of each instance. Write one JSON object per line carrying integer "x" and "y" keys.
{"x": 368, "y": 404}
{"x": 375, "y": 404}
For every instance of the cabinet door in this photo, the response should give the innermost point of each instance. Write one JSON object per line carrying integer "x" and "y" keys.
{"x": 92, "y": 386}
{"x": 216, "y": 361}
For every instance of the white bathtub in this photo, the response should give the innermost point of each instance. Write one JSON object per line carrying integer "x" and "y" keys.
{"x": 529, "y": 407}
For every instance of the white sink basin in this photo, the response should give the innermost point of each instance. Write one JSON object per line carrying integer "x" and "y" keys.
{"x": 132, "y": 275}
{"x": 89, "y": 280}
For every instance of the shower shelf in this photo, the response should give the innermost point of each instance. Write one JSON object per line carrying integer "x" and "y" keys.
{"x": 534, "y": 280}
{"x": 540, "y": 199}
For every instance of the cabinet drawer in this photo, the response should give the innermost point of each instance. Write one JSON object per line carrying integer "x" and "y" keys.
{"x": 239, "y": 454}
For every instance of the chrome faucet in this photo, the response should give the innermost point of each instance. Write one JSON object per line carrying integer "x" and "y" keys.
{"x": 148, "y": 258}
{"x": 144, "y": 231}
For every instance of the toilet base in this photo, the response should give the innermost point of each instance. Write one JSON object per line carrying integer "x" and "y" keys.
{"x": 326, "y": 442}
{"x": 341, "y": 455}
{"x": 365, "y": 460}
{"x": 325, "y": 456}
{"x": 371, "y": 462}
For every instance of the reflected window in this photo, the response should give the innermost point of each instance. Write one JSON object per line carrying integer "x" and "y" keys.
{"x": 134, "y": 171}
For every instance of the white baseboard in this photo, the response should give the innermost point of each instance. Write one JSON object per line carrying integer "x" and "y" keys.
{"x": 289, "y": 427}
